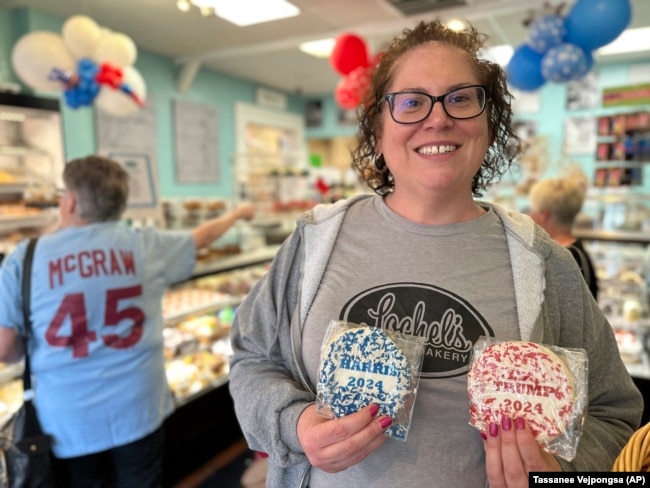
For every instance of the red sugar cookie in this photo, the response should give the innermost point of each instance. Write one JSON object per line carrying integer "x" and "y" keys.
{"x": 521, "y": 380}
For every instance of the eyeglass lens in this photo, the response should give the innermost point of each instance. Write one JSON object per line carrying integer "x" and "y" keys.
{"x": 411, "y": 107}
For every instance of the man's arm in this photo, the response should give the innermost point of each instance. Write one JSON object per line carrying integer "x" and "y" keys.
{"x": 212, "y": 229}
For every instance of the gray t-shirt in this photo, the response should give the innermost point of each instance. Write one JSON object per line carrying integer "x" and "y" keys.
{"x": 450, "y": 284}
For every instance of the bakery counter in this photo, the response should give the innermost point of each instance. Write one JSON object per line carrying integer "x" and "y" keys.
{"x": 196, "y": 432}
{"x": 620, "y": 236}
{"x": 633, "y": 339}
{"x": 11, "y": 222}
{"x": 198, "y": 316}
{"x": 236, "y": 261}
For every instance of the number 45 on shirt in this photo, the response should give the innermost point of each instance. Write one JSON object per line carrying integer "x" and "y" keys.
{"x": 73, "y": 305}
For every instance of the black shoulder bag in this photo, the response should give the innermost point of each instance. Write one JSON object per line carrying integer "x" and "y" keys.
{"x": 25, "y": 460}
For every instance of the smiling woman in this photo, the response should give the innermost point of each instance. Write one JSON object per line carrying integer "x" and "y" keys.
{"x": 422, "y": 256}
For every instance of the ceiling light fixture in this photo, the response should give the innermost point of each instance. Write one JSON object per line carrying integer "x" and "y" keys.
{"x": 457, "y": 25}
{"x": 321, "y": 48}
{"x": 245, "y": 13}
{"x": 500, "y": 54}
{"x": 183, "y": 5}
{"x": 629, "y": 41}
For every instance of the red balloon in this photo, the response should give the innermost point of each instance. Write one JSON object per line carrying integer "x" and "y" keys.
{"x": 359, "y": 80}
{"x": 345, "y": 96}
{"x": 349, "y": 52}
{"x": 110, "y": 75}
{"x": 353, "y": 88}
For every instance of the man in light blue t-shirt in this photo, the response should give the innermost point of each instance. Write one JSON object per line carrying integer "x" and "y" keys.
{"x": 97, "y": 346}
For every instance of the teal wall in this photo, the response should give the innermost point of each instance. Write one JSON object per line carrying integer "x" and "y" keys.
{"x": 160, "y": 73}
{"x": 222, "y": 92}
{"x": 552, "y": 113}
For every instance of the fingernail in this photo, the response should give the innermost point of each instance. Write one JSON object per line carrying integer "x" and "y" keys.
{"x": 506, "y": 424}
{"x": 374, "y": 409}
{"x": 483, "y": 436}
{"x": 385, "y": 422}
{"x": 520, "y": 423}
{"x": 493, "y": 429}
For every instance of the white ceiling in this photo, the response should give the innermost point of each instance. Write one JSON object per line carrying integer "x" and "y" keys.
{"x": 268, "y": 53}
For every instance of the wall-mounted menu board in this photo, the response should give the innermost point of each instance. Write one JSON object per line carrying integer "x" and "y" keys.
{"x": 196, "y": 143}
{"x": 135, "y": 131}
{"x": 144, "y": 195}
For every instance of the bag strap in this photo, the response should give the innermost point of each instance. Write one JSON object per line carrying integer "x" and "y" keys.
{"x": 26, "y": 291}
{"x": 584, "y": 264}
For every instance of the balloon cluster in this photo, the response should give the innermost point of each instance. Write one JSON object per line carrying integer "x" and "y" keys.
{"x": 350, "y": 58}
{"x": 560, "y": 49}
{"x": 91, "y": 64}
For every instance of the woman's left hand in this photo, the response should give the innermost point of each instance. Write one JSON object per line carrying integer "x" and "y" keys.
{"x": 511, "y": 452}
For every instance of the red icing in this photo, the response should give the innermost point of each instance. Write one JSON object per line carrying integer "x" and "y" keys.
{"x": 521, "y": 380}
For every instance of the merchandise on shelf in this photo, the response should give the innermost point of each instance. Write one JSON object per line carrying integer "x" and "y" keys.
{"x": 623, "y": 296}
{"x": 624, "y": 139}
{"x": 198, "y": 317}
{"x": 11, "y": 398}
{"x": 195, "y": 372}
{"x": 206, "y": 328}
{"x": 190, "y": 299}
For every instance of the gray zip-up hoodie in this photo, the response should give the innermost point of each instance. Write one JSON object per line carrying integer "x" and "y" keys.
{"x": 270, "y": 387}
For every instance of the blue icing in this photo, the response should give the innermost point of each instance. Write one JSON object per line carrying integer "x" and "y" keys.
{"x": 359, "y": 367}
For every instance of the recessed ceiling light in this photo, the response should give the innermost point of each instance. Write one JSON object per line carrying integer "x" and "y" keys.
{"x": 183, "y": 5}
{"x": 630, "y": 41}
{"x": 457, "y": 25}
{"x": 250, "y": 12}
{"x": 498, "y": 54}
{"x": 321, "y": 48}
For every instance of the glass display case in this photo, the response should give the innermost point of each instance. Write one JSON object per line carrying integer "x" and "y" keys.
{"x": 198, "y": 314}
{"x": 31, "y": 162}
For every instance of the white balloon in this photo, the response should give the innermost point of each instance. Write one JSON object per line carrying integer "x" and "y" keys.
{"x": 81, "y": 34}
{"x": 118, "y": 103}
{"x": 36, "y": 54}
{"x": 116, "y": 49}
{"x": 104, "y": 32}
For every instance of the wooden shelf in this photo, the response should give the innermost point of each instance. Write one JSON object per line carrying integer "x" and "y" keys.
{"x": 12, "y": 223}
{"x": 22, "y": 151}
{"x": 228, "y": 263}
{"x": 623, "y": 236}
{"x": 12, "y": 188}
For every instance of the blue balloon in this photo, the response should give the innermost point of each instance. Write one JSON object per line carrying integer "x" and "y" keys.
{"x": 591, "y": 24}
{"x": 589, "y": 63}
{"x": 546, "y": 32}
{"x": 524, "y": 69}
{"x": 87, "y": 69}
{"x": 72, "y": 98}
{"x": 565, "y": 62}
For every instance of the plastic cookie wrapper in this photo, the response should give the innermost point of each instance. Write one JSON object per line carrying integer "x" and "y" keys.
{"x": 543, "y": 384}
{"x": 362, "y": 365}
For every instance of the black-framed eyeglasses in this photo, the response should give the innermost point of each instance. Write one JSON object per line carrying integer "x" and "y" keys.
{"x": 410, "y": 107}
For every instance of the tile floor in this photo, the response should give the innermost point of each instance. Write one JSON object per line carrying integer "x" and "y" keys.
{"x": 229, "y": 476}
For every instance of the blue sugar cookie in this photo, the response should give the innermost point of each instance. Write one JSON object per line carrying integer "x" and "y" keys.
{"x": 363, "y": 365}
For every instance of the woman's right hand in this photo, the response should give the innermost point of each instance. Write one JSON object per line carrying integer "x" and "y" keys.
{"x": 333, "y": 445}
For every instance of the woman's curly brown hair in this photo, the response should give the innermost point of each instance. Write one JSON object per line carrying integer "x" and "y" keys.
{"x": 505, "y": 143}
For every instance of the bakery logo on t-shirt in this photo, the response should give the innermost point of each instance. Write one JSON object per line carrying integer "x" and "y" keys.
{"x": 449, "y": 324}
